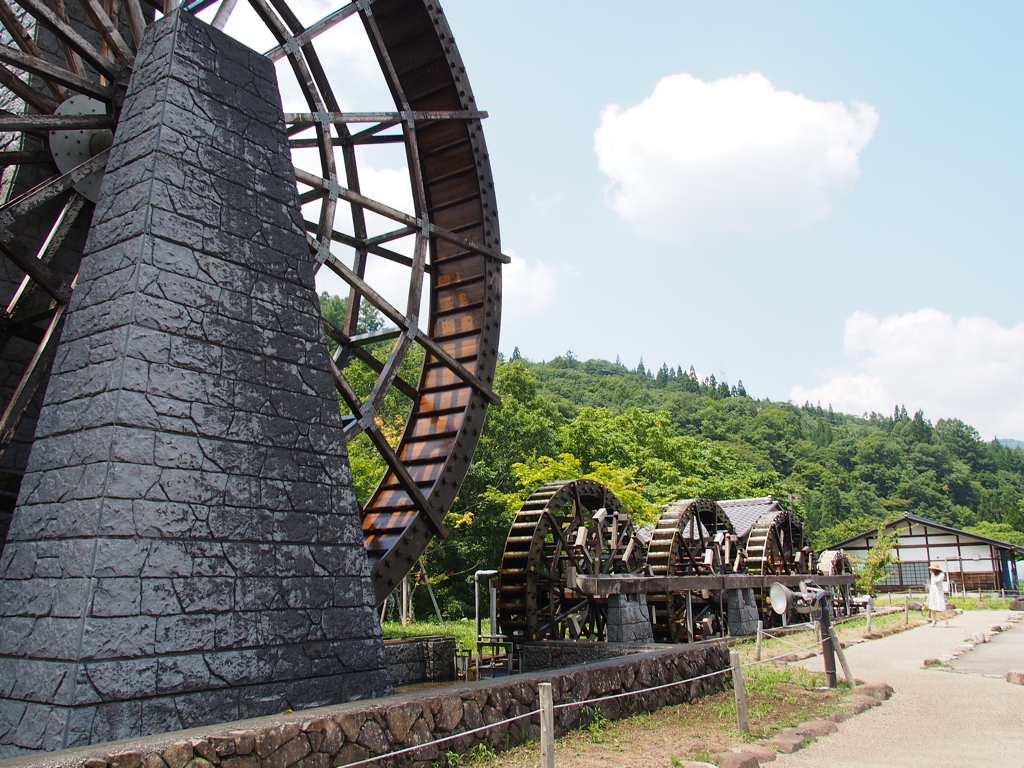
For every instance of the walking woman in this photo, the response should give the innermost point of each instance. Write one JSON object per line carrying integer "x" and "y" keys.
{"x": 937, "y": 594}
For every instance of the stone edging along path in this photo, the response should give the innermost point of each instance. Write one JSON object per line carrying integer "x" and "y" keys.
{"x": 789, "y": 740}
{"x": 862, "y": 698}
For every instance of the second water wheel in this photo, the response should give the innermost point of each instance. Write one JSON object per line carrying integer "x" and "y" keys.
{"x": 692, "y": 538}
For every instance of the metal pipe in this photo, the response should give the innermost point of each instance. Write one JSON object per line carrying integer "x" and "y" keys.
{"x": 492, "y": 593}
{"x": 476, "y": 606}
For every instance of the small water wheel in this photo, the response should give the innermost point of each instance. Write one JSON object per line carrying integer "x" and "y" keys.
{"x": 778, "y": 544}
{"x": 564, "y": 529}
{"x": 835, "y": 562}
{"x": 693, "y": 537}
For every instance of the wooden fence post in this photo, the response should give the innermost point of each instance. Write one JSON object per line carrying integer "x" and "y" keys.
{"x": 741, "y": 696}
{"x": 760, "y": 637}
{"x": 547, "y": 726}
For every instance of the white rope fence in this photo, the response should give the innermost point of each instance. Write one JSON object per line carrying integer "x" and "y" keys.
{"x": 445, "y": 740}
{"x": 585, "y": 703}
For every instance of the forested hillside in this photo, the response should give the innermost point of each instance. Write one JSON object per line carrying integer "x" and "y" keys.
{"x": 656, "y": 436}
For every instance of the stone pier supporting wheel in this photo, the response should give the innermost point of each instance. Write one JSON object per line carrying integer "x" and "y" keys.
{"x": 692, "y": 538}
{"x": 564, "y": 529}
{"x": 778, "y": 544}
{"x": 64, "y": 68}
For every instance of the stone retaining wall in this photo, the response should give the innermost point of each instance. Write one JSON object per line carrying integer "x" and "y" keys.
{"x": 347, "y": 733}
{"x": 425, "y": 659}
{"x": 554, "y": 654}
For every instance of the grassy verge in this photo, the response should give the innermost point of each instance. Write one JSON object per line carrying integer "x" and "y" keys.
{"x": 963, "y": 603}
{"x": 777, "y": 697}
{"x": 463, "y": 630}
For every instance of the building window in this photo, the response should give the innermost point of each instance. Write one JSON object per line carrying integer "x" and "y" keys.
{"x": 892, "y": 578}
{"x": 914, "y": 573}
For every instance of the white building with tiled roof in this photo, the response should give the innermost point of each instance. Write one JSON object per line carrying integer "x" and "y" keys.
{"x": 971, "y": 561}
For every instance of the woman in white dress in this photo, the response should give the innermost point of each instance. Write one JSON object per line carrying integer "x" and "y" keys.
{"x": 937, "y": 594}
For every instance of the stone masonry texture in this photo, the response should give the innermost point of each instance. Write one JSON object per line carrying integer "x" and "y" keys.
{"x": 348, "y": 733}
{"x": 187, "y": 548}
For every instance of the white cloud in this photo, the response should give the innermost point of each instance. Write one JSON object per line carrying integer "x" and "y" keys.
{"x": 529, "y": 289}
{"x": 731, "y": 155}
{"x": 971, "y": 369}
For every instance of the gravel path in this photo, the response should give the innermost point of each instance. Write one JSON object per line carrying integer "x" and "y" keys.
{"x": 936, "y": 717}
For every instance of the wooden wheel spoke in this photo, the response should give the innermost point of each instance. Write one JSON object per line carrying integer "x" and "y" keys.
{"x": 394, "y": 214}
{"x": 26, "y": 157}
{"x": 354, "y": 242}
{"x": 386, "y": 119}
{"x": 136, "y": 20}
{"x": 355, "y": 348}
{"x": 12, "y": 123}
{"x": 24, "y": 91}
{"x": 50, "y": 189}
{"x": 402, "y": 322}
{"x": 31, "y": 380}
{"x": 108, "y": 30}
{"x": 38, "y": 271}
{"x": 220, "y": 19}
{"x": 336, "y": 17}
{"x": 24, "y": 41}
{"x": 56, "y": 22}
{"x": 51, "y": 72}
{"x": 398, "y": 469}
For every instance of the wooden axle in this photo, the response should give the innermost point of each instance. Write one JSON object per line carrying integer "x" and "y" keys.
{"x": 603, "y": 586}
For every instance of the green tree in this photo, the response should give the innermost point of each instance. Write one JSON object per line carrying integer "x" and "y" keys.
{"x": 875, "y": 565}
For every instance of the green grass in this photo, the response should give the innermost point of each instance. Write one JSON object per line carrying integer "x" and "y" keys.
{"x": 968, "y": 603}
{"x": 463, "y": 630}
{"x": 985, "y": 604}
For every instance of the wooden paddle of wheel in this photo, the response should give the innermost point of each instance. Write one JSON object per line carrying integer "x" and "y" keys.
{"x": 778, "y": 544}
{"x": 692, "y": 537}
{"x": 835, "y": 562}
{"x": 564, "y": 529}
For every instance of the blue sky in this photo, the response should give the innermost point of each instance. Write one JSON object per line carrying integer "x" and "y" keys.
{"x": 820, "y": 199}
{"x": 829, "y": 308}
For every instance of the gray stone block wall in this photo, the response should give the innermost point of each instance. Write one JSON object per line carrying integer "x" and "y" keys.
{"x": 629, "y": 620}
{"x": 187, "y": 547}
{"x": 741, "y": 611}
{"x": 428, "y": 659}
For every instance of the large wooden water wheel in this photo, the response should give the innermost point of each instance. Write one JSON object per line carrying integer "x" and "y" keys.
{"x": 564, "y": 529}
{"x": 835, "y": 562}
{"x": 778, "y": 544}
{"x": 692, "y": 538}
{"x": 64, "y": 69}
